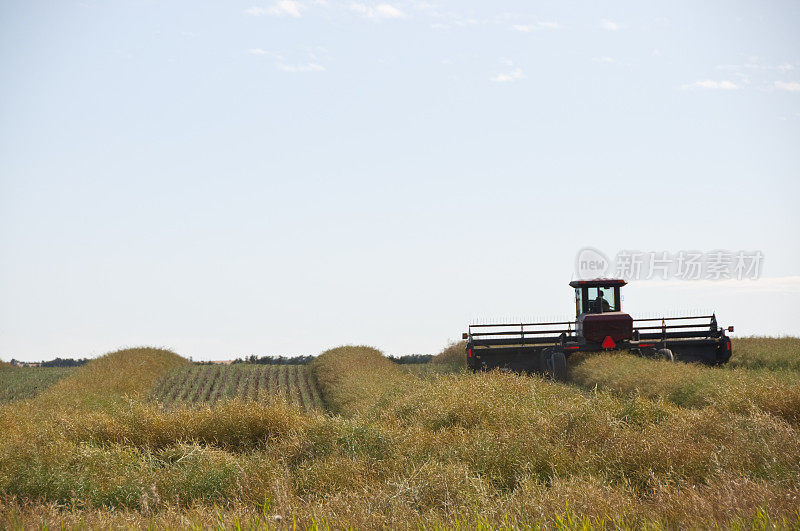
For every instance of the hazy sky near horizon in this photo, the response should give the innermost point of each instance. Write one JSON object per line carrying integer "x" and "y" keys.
{"x": 280, "y": 177}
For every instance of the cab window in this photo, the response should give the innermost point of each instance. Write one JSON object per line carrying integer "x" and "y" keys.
{"x": 602, "y": 300}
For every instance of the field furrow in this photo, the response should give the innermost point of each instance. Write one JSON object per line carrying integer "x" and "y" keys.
{"x": 299, "y": 383}
{"x": 209, "y": 384}
{"x": 206, "y": 394}
{"x": 263, "y": 380}
{"x": 18, "y": 383}
{"x": 216, "y": 389}
{"x": 201, "y": 383}
{"x": 186, "y": 388}
{"x": 311, "y": 383}
{"x": 285, "y": 389}
{"x": 173, "y": 386}
{"x": 244, "y": 384}
{"x": 236, "y": 380}
{"x": 297, "y": 394}
{"x": 275, "y": 386}
{"x": 255, "y": 383}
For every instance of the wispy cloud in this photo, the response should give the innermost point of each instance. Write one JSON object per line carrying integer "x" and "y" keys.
{"x": 445, "y": 20}
{"x": 456, "y": 23}
{"x": 711, "y": 85}
{"x": 261, "y": 51}
{"x": 755, "y": 63}
{"x": 506, "y": 77}
{"x": 308, "y": 67}
{"x": 311, "y": 63}
{"x": 763, "y": 74}
{"x": 536, "y": 26}
{"x": 381, "y": 11}
{"x": 791, "y": 86}
{"x": 283, "y": 8}
{"x": 609, "y": 25}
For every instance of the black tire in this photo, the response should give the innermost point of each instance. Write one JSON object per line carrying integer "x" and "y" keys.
{"x": 665, "y": 354}
{"x": 559, "y": 366}
{"x": 544, "y": 355}
{"x": 554, "y": 364}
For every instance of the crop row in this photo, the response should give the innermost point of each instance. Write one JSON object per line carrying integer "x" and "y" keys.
{"x": 208, "y": 384}
{"x": 17, "y": 383}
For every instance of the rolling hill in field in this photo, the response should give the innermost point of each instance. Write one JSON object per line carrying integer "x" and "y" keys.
{"x": 208, "y": 384}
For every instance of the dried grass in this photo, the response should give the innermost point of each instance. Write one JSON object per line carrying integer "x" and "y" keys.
{"x": 690, "y": 385}
{"x": 447, "y": 450}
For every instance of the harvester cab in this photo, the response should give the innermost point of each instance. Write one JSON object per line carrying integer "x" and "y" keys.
{"x": 600, "y": 324}
{"x": 598, "y": 311}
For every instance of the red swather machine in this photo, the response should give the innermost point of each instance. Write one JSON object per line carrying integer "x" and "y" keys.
{"x": 600, "y": 324}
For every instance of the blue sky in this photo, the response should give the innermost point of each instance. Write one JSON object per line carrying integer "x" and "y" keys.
{"x": 260, "y": 177}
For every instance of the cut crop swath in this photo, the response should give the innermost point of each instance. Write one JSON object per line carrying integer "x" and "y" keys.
{"x": 208, "y": 384}
{"x": 18, "y": 383}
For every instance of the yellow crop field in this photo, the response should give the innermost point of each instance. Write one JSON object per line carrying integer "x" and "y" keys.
{"x": 142, "y": 437}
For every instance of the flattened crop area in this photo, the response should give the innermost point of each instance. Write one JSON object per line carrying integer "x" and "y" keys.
{"x": 207, "y": 384}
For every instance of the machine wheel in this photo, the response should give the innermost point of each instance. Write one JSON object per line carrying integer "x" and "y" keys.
{"x": 559, "y": 363}
{"x": 665, "y": 354}
{"x": 555, "y": 364}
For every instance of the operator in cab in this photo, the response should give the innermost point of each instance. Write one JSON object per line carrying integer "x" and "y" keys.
{"x": 601, "y": 303}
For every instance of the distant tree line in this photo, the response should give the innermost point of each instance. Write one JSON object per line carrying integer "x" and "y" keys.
{"x": 275, "y": 360}
{"x": 65, "y": 362}
{"x": 303, "y": 360}
{"x": 58, "y": 362}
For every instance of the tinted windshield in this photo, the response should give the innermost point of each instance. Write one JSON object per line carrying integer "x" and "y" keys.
{"x": 602, "y": 300}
